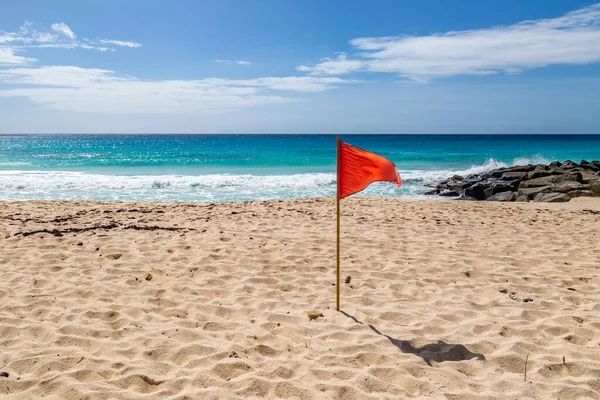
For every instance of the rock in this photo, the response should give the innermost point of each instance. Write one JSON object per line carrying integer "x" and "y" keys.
{"x": 477, "y": 191}
{"x": 473, "y": 178}
{"x": 565, "y": 187}
{"x": 4, "y": 374}
{"x": 549, "y": 180}
{"x": 449, "y": 193}
{"x": 537, "y": 182}
{"x": 431, "y": 192}
{"x": 551, "y": 198}
{"x": 573, "y": 176}
{"x": 519, "y": 168}
{"x": 589, "y": 167}
{"x": 502, "y": 196}
{"x": 568, "y": 164}
{"x": 499, "y": 188}
{"x": 580, "y": 193}
{"x": 532, "y": 192}
{"x": 468, "y": 198}
{"x": 514, "y": 175}
{"x": 522, "y": 199}
{"x": 528, "y": 181}
{"x": 539, "y": 172}
{"x": 458, "y": 185}
{"x": 595, "y": 187}
{"x": 588, "y": 176}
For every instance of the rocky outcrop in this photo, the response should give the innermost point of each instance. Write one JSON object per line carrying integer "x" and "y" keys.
{"x": 555, "y": 182}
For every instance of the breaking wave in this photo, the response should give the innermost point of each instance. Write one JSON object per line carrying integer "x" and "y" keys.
{"x": 65, "y": 185}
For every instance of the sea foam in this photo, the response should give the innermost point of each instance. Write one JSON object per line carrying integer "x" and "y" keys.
{"x": 70, "y": 185}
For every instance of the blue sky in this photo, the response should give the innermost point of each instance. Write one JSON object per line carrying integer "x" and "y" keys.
{"x": 427, "y": 66}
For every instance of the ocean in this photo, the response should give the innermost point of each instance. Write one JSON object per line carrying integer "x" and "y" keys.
{"x": 218, "y": 168}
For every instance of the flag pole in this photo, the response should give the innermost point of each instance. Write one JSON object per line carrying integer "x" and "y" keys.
{"x": 337, "y": 199}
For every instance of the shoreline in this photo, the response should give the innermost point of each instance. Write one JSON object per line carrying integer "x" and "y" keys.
{"x": 446, "y": 299}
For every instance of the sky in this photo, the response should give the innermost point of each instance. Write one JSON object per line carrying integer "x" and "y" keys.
{"x": 253, "y": 66}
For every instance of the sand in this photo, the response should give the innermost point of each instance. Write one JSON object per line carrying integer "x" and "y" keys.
{"x": 446, "y": 300}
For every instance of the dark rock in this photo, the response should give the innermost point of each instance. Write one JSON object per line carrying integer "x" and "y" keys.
{"x": 539, "y": 172}
{"x": 488, "y": 191}
{"x": 529, "y": 181}
{"x": 449, "y": 193}
{"x": 551, "y": 198}
{"x": 573, "y": 176}
{"x": 514, "y": 184}
{"x": 588, "y": 176}
{"x": 514, "y": 175}
{"x": 4, "y": 374}
{"x": 474, "y": 180}
{"x": 568, "y": 164}
{"x": 507, "y": 185}
{"x": 522, "y": 199}
{"x": 477, "y": 190}
{"x": 503, "y": 196}
{"x": 549, "y": 180}
{"x": 589, "y": 167}
{"x": 555, "y": 164}
{"x": 556, "y": 171}
{"x": 495, "y": 173}
{"x": 538, "y": 182}
{"x": 532, "y": 192}
{"x": 565, "y": 187}
{"x": 468, "y": 198}
{"x": 519, "y": 168}
{"x": 595, "y": 187}
{"x": 431, "y": 192}
{"x": 499, "y": 188}
{"x": 458, "y": 185}
{"x": 580, "y": 193}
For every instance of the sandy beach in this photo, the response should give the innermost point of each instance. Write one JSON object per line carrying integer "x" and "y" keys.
{"x": 446, "y": 300}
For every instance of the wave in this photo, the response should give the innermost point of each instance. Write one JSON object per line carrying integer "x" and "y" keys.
{"x": 66, "y": 185}
{"x": 429, "y": 177}
{"x": 62, "y": 185}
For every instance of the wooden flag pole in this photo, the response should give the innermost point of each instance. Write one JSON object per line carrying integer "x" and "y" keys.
{"x": 337, "y": 275}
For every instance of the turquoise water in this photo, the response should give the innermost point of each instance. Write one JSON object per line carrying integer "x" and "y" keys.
{"x": 251, "y": 167}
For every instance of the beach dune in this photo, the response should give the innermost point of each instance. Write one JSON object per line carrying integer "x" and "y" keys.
{"x": 445, "y": 300}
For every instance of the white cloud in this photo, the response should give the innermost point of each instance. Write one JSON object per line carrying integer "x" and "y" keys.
{"x": 241, "y": 62}
{"x": 121, "y": 43}
{"x": 71, "y": 88}
{"x": 573, "y": 39}
{"x": 339, "y": 66}
{"x": 8, "y": 56}
{"x": 64, "y": 29}
{"x": 64, "y": 38}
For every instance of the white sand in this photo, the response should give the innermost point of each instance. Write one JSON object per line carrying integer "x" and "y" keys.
{"x": 428, "y": 312}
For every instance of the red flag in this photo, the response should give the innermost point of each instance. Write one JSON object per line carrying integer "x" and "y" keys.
{"x": 358, "y": 168}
